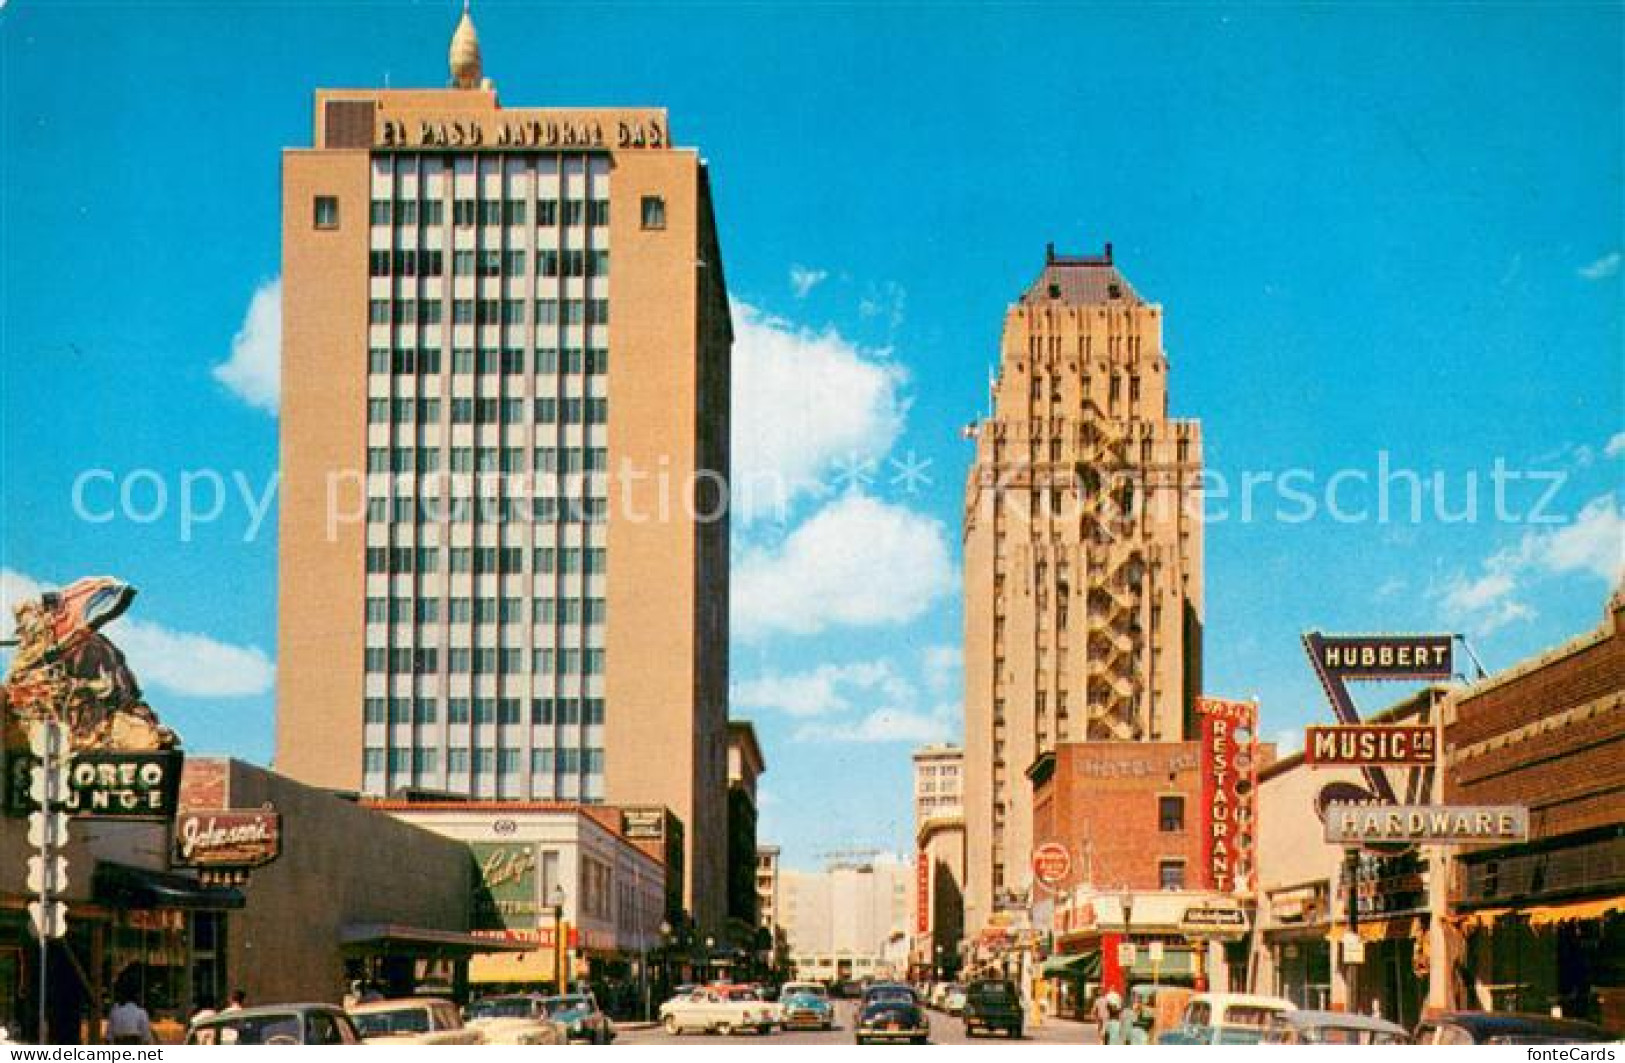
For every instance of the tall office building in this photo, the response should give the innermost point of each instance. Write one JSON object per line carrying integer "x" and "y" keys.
{"x": 504, "y": 571}
{"x": 1083, "y": 555}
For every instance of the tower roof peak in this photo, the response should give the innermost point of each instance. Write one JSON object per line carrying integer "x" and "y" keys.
{"x": 467, "y": 69}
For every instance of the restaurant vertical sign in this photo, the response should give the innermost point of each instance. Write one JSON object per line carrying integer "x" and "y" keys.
{"x": 1229, "y": 792}
{"x": 922, "y": 893}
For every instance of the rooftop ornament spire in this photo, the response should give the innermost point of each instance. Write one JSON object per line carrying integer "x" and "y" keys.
{"x": 466, "y": 69}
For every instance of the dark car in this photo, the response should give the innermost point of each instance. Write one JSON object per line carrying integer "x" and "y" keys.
{"x": 1505, "y": 1028}
{"x": 891, "y": 1018}
{"x": 278, "y": 1024}
{"x": 991, "y": 1006}
{"x": 581, "y": 1017}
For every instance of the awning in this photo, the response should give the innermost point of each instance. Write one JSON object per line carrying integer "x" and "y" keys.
{"x": 391, "y": 939}
{"x": 1085, "y": 965}
{"x": 1543, "y": 915}
{"x": 121, "y": 886}
{"x": 1400, "y": 929}
{"x": 523, "y": 968}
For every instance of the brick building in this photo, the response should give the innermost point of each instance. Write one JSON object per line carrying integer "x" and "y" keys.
{"x": 1542, "y": 924}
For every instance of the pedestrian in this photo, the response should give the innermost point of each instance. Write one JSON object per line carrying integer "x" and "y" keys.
{"x": 128, "y": 1023}
{"x": 203, "y": 1009}
{"x": 1101, "y": 1012}
{"x": 237, "y": 1001}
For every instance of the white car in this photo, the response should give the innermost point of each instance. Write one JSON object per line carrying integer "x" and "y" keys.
{"x": 412, "y": 1021}
{"x": 1225, "y": 1019}
{"x": 519, "y": 1019}
{"x": 717, "y": 1010}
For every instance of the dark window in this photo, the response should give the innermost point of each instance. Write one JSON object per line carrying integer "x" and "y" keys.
{"x": 1171, "y": 874}
{"x": 1170, "y": 813}
{"x": 654, "y": 212}
{"x": 327, "y": 212}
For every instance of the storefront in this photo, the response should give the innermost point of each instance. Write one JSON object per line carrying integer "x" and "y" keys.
{"x": 1106, "y": 942}
{"x": 1296, "y": 935}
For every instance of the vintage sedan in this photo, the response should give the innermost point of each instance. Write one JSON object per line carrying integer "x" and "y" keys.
{"x": 579, "y": 1015}
{"x": 807, "y": 1011}
{"x": 1332, "y": 1028}
{"x": 276, "y": 1024}
{"x": 514, "y": 1019}
{"x": 413, "y": 1021}
{"x": 1225, "y": 1019}
{"x": 1506, "y": 1028}
{"x": 890, "y": 1017}
{"x": 714, "y": 1010}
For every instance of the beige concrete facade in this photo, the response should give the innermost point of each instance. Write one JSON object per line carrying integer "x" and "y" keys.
{"x": 1082, "y": 555}
{"x": 937, "y": 895}
{"x": 567, "y": 641}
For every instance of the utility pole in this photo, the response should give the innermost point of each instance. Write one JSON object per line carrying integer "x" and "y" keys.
{"x": 47, "y": 833}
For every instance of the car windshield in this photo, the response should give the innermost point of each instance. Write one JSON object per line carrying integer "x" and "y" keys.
{"x": 558, "y": 1007}
{"x": 384, "y": 1023}
{"x": 889, "y": 1009}
{"x": 253, "y": 1030}
{"x": 891, "y": 993}
{"x": 501, "y": 1008}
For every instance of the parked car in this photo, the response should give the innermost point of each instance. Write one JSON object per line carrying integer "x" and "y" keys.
{"x": 891, "y": 1017}
{"x": 804, "y": 1010}
{"x": 713, "y": 1010}
{"x": 775, "y": 1010}
{"x": 514, "y": 1019}
{"x": 413, "y": 1021}
{"x": 1224, "y": 1019}
{"x": 1506, "y": 1028}
{"x": 953, "y": 1000}
{"x": 992, "y": 1005}
{"x": 1332, "y": 1028}
{"x": 581, "y": 1018}
{"x": 276, "y": 1024}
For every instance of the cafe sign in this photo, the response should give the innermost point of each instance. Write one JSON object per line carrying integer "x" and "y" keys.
{"x": 1357, "y": 745}
{"x": 135, "y": 786}
{"x": 1213, "y": 921}
{"x": 227, "y": 839}
{"x": 1349, "y": 824}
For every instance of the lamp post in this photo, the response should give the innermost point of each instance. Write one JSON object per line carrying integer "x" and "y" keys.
{"x": 1127, "y": 901}
{"x": 561, "y": 939}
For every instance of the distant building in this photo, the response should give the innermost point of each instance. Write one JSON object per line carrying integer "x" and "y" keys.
{"x": 1083, "y": 556}
{"x": 767, "y": 888}
{"x": 849, "y": 920}
{"x": 504, "y": 447}
{"x": 745, "y": 767}
{"x": 937, "y": 897}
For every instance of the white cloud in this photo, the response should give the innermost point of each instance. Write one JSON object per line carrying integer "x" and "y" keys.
{"x": 1593, "y": 543}
{"x": 1615, "y": 446}
{"x": 941, "y": 666}
{"x": 803, "y": 279}
{"x": 1602, "y": 268}
{"x": 254, "y": 371}
{"x": 804, "y": 402}
{"x": 858, "y": 562}
{"x": 180, "y": 662}
{"x": 885, "y": 726}
{"x": 824, "y": 690}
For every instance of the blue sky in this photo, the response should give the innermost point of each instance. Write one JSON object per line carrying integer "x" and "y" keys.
{"x": 1375, "y": 229}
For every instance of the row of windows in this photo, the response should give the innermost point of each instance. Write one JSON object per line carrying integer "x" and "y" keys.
{"x": 566, "y": 560}
{"x": 489, "y": 311}
{"x": 490, "y": 459}
{"x": 589, "y": 611}
{"x": 503, "y": 711}
{"x": 544, "y": 510}
{"x": 509, "y": 361}
{"x": 410, "y": 262}
{"x": 425, "y": 660}
{"x": 466, "y": 212}
{"x": 549, "y": 410}
{"x": 485, "y": 761}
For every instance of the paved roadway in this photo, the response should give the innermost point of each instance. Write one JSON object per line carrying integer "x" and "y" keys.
{"x": 945, "y": 1030}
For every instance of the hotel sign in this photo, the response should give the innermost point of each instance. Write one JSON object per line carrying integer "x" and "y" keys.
{"x": 605, "y": 130}
{"x": 1361, "y": 744}
{"x": 1426, "y": 824}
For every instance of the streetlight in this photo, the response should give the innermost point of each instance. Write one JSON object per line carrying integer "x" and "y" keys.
{"x": 710, "y": 949}
{"x": 561, "y": 938}
{"x": 1127, "y": 901}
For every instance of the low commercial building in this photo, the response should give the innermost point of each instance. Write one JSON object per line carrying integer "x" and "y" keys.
{"x": 546, "y": 873}
{"x": 1307, "y": 946}
{"x": 1122, "y": 897}
{"x": 1541, "y": 924}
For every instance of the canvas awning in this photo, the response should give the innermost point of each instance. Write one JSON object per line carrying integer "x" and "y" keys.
{"x": 1085, "y": 965}
{"x": 1543, "y": 915}
{"x": 391, "y": 939}
{"x": 122, "y": 886}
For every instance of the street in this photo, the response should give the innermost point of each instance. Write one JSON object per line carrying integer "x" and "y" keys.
{"x": 945, "y": 1030}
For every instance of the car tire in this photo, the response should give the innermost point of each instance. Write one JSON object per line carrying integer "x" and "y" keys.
{"x": 970, "y": 1032}
{"x": 725, "y": 1029}
{"x": 673, "y": 1027}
